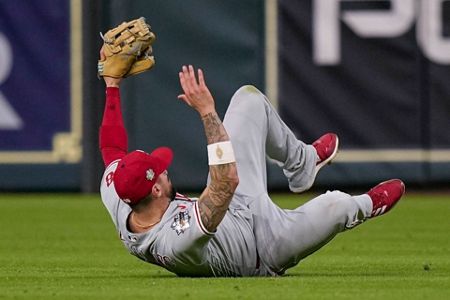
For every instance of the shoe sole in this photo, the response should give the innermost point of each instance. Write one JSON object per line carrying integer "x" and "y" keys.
{"x": 318, "y": 167}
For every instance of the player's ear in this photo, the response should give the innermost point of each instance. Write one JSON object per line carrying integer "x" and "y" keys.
{"x": 156, "y": 190}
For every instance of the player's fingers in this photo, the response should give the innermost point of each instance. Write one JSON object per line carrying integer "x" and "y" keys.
{"x": 187, "y": 80}
{"x": 185, "y": 72}
{"x": 184, "y": 82}
{"x": 191, "y": 71}
{"x": 201, "y": 78}
{"x": 184, "y": 98}
{"x": 182, "y": 79}
{"x": 193, "y": 79}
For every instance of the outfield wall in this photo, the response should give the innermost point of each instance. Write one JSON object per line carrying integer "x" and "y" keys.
{"x": 376, "y": 73}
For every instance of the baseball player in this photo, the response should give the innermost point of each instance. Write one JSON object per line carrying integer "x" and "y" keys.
{"x": 233, "y": 228}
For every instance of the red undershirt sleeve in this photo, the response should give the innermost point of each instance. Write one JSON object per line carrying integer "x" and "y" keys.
{"x": 113, "y": 136}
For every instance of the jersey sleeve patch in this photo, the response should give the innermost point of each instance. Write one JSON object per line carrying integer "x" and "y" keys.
{"x": 182, "y": 220}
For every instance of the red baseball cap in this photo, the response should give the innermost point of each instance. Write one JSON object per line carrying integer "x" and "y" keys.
{"x": 138, "y": 171}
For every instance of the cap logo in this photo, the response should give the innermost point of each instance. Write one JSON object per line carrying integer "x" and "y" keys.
{"x": 150, "y": 174}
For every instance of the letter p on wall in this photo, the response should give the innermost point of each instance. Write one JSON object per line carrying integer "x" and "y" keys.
{"x": 327, "y": 15}
{"x": 9, "y": 119}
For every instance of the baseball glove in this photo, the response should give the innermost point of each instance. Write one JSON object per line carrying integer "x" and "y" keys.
{"x": 127, "y": 49}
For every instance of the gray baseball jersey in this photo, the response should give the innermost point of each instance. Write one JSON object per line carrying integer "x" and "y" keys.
{"x": 181, "y": 244}
{"x": 256, "y": 237}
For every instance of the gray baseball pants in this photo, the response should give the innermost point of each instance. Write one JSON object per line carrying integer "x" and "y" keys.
{"x": 283, "y": 236}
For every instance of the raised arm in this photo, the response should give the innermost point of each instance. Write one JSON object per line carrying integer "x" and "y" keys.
{"x": 215, "y": 199}
{"x": 113, "y": 136}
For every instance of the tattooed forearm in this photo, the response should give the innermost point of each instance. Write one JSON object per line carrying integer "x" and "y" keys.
{"x": 214, "y": 201}
{"x": 214, "y": 130}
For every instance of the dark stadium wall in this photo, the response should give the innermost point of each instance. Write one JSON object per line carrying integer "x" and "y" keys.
{"x": 383, "y": 89}
{"x": 376, "y": 73}
{"x": 225, "y": 39}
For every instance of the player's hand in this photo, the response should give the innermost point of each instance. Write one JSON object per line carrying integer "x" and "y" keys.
{"x": 196, "y": 93}
{"x": 109, "y": 81}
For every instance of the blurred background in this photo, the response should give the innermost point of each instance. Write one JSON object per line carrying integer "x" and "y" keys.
{"x": 375, "y": 72}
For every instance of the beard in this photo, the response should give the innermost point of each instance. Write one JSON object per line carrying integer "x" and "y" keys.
{"x": 173, "y": 193}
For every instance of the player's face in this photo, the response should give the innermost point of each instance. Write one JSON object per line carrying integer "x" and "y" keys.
{"x": 166, "y": 183}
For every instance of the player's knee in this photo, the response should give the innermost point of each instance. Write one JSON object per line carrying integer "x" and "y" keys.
{"x": 338, "y": 201}
{"x": 250, "y": 89}
{"x": 248, "y": 96}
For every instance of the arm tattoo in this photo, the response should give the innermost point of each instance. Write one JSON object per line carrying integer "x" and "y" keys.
{"x": 214, "y": 201}
{"x": 215, "y": 132}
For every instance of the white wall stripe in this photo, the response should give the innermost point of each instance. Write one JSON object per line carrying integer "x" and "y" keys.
{"x": 271, "y": 51}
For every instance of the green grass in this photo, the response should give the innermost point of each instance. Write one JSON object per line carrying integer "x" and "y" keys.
{"x": 59, "y": 246}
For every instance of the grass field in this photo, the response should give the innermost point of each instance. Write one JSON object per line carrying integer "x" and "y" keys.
{"x": 60, "y": 246}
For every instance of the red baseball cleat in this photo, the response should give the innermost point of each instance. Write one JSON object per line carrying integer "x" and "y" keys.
{"x": 385, "y": 195}
{"x": 326, "y": 147}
